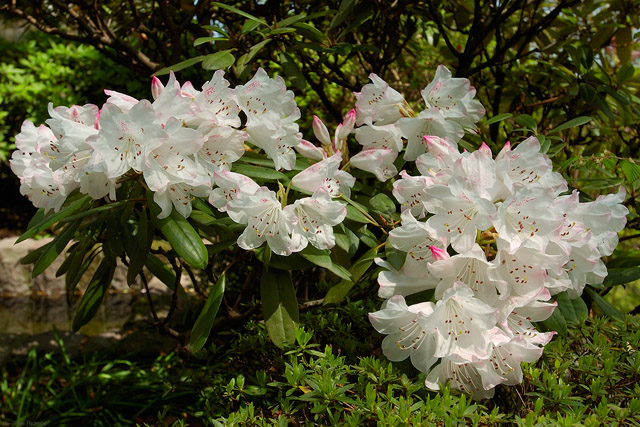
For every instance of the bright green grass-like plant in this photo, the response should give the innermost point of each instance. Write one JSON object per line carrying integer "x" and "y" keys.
{"x": 589, "y": 377}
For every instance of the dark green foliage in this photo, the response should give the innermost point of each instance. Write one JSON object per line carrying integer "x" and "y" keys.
{"x": 589, "y": 377}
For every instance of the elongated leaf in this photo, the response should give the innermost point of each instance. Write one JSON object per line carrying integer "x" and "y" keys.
{"x": 312, "y": 33}
{"x": 292, "y": 262}
{"x": 161, "y": 271}
{"x": 55, "y": 248}
{"x": 526, "y": 121}
{"x": 604, "y": 305}
{"x": 259, "y": 173}
{"x": 279, "y": 306}
{"x": 556, "y": 322}
{"x": 620, "y": 276}
{"x": 578, "y": 121}
{"x": 204, "y": 322}
{"x": 93, "y": 211}
{"x": 498, "y": 118}
{"x": 346, "y": 6}
{"x": 218, "y": 60}
{"x": 48, "y": 221}
{"x": 240, "y": 12}
{"x": 203, "y": 40}
{"x": 94, "y": 294}
{"x": 179, "y": 66}
{"x": 574, "y": 310}
{"x": 184, "y": 239}
{"x": 625, "y": 73}
{"x": 338, "y": 292}
{"x": 355, "y": 215}
{"x": 382, "y": 203}
{"x": 78, "y": 267}
{"x": 138, "y": 247}
{"x": 322, "y": 259}
{"x": 292, "y": 70}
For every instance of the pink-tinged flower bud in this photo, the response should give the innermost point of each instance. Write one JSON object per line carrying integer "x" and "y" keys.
{"x": 156, "y": 87}
{"x": 347, "y": 125}
{"x": 439, "y": 254}
{"x": 321, "y": 131}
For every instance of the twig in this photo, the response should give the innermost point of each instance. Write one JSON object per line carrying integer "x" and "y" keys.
{"x": 149, "y": 300}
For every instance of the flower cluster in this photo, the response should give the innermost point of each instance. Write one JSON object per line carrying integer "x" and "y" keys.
{"x": 181, "y": 146}
{"x": 493, "y": 239}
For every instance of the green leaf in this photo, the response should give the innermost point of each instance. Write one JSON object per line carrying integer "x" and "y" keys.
{"x": 47, "y": 221}
{"x": 240, "y": 12}
{"x": 161, "y": 271}
{"x": 578, "y": 121}
{"x": 498, "y": 118}
{"x": 355, "y": 215}
{"x": 259, "y": 173}
{"x": 322, "y": 259}
{"x": 587, "y": 92}
{"x": 93, "y": 211}
{"x": 600, "y": 183}
{"x": 527, "y": 121}
{"x": 346, "y": 6}
{"x": 184, "y": 239}
{"x": 382, "y": 203}
{"x": 82, "y": 259}
{"x": 55, "y": 248}
{"x": 291, "y": 262}
{"x": 94, "y": 294}
{"x": 601, "y": 103}
{"x": 218, "y": 60}
{"x": 338, "y": 292}
{"x": 631, "y": 170}
{"x": 244, "y": 60}
{"x": 367, "y": 237}
{"x": 310, "y": 32}
{"x": 620, "y": 276}
{"x": 346, "y": 239}
{"x": 279, "y": 306}
{"x": 394, "y": 256}
{"x": 249, "y": 25}
{"x": 573, "y": 310}
{"x": 204, "y": 322}
{"x": 203, "y": 40}
{"x": 625, "y": 73}
{"x": 138, "y": 247}
{"x": 179, "y": 66}
{"x": 604, "y": 305}
{"x": 556, "y": 322}
{"x": 291, "y": 69}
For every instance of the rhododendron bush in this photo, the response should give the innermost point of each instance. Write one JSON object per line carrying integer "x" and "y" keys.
{"x": 482, "y": 244}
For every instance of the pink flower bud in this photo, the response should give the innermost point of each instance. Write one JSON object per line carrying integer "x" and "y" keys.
{"x": 156, "y": 87}
{"x": 439, "y": 254}
{"x": 347, "y": 125}
{"x": 321, "y": 131}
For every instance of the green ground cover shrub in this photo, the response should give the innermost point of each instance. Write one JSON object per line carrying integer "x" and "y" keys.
{"x": 328, "y": 377}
